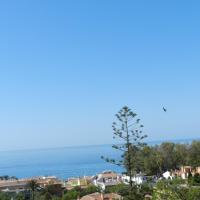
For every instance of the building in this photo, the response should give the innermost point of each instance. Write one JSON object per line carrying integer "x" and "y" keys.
{"x": 138, "y": 179}
{"x": 168, "y": 175}
{"x": 107, "y": 178}
{"x": 100, "y": 196}
{"x": 82, "y": 182}
{"x": 21, "y": 184}
{"x": 184, "y": 171}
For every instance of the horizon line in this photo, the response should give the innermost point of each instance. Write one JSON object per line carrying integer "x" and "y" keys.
{"x": 185, "y": 140}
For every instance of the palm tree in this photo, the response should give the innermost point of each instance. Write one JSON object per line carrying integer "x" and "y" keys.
{"x": 33, "y": 185}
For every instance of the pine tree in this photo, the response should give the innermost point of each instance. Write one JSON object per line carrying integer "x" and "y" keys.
{"x": 129, "y": 131}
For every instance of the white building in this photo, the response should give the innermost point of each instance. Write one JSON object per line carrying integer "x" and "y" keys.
{"x": 107, "y": 178}
{"x": 167, "y": 175}
{"x": 138, "y": 179}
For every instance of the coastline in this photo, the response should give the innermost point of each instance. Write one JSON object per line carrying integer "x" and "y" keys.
{"x": 64, "y": 162}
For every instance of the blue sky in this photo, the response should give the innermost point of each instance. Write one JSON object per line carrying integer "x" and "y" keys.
{"x": 67, "y": 67}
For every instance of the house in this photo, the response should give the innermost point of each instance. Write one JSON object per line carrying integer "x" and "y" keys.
{"x": 184, "y": 171}
{"x": 138, "y": 179}
{"x": 100, "y": 196}
{"x": 49, "y": 180}
{"x": 21, "y": 184}
{"x": 107, "y": 178}
{"x": 168, "y": 175}
{"x": 82, "y": 182}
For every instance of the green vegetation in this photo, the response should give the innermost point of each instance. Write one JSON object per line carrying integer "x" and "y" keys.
{"x": 136, "y": 157}
{"x": 154, "y": 160}
{"x": 51, "y": 192}
{"x": 4, "y": 196}
{"x": 194, "y": 180}
{"x": 175, "y": 190}
{"x": 130, "y": 193}
{"x": 151, "y": 160}
{"x": 79, "y": 192}
{"x": 32, "y": 186}
{"x": 128, "y": 130}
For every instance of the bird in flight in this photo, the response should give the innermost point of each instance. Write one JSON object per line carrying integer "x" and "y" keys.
{"x": 165, "y": 110}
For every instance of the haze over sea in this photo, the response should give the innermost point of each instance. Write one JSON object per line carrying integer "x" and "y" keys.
{"x": 61, "y": 162}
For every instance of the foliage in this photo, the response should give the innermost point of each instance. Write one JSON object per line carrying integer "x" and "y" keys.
{"x": 80, "y": 192}
{"x": 4, "y": 196}
{"x": 174, "y": 190}
{"x": 71, "y": 195}
{"x": 194, "y": 153}
{"x": 120, "y": 188}
{"x": 33, "y": 186}
{"x": 150, "y": 161}
{"x": 128, "y": 192}
{"x": 128, "y": 131}
{"x": 166, "y": 190}
{"x": 90, "y": 189}
{"x": 194, "y": 180}
{"x": 193, "y": 194}
{"x": 154, "y": 160}
{"x": 51, "y": 191}
{"x": 20, "y": 196}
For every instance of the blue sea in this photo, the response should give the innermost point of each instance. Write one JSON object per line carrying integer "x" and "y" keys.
{"x": 61, "y": 162}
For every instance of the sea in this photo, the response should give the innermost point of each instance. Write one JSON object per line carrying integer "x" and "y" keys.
{"x": 60, "y": 162}
{"x": 63, "y": 162}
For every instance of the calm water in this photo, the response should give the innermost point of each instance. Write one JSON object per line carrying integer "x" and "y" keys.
{"x": 61, "y": 162}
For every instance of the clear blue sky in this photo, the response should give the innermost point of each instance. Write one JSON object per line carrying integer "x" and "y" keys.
{"x": 66, "y": 67}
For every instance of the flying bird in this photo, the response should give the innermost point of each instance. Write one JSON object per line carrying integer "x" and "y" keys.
{"x": 165, "y": 110}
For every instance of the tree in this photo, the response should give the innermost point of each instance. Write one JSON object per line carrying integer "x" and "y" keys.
{"x": 194, "y": 154}
{"x": 4, "y": 196}
{"x": 193, "y": 194}
{"x": 52, "y": 190}
{"x": 20, "y": 196}
{"x": 89, "y": 190}
{"x": 71, "y": 195}
{"x": 151, "y": 161}
{"x": 181, "y": 154}
{"x": 33, "y": 185}
{"x": 168, "y": 151}
{"x": 169, "y": 190}
{"x": 194, "y": 180}
{"x": 175, "y": 190}
{"x": 129, "y": 132}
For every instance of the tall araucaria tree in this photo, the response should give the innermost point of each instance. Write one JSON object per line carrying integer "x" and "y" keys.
{"x": 128, "y": 130}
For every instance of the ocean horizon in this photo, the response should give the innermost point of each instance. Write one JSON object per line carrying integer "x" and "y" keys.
{"x": 62, "y": 162}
